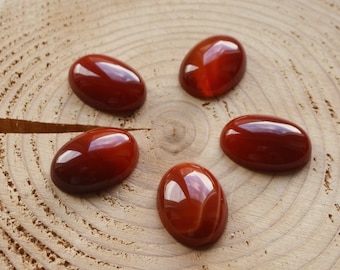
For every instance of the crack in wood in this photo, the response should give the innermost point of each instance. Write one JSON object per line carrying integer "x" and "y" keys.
{"x": 8, "y": 125}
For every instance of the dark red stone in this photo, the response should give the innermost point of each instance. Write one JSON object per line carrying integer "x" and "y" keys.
{"x": 213, "y": 67}
{"x": 191, "y": 205}
{"x": 96, "y": 159}
{"x": 107, "y": 84}
{"x": 266, "y": 143}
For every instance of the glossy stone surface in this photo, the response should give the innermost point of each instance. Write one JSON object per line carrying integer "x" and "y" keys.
{"x": 266, "y": 143}
{"x": 191, "y": 205}
{"x": 213, "y": 67}
{"x": 96, "y": 159}
{"x": 107, "y": 84}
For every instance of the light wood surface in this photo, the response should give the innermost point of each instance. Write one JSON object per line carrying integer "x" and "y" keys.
{"x": 276, "y": 221}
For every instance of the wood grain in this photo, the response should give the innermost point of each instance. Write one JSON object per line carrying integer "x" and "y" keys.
{"x": 276, "y": 221}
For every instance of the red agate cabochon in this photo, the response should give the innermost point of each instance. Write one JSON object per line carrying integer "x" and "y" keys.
{"x": 191, "y": 205}
{"x": 266, "y": 143}
{"x": 213, "y": 67}
{"x": 107, "y": 84}
{"x": 96, "y": 159}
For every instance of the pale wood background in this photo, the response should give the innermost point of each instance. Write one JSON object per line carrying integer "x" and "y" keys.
{"x": 282, "y": 221}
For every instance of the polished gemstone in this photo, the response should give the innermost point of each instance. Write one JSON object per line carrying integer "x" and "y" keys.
{"x": 107, "y": 84}
{"x": 96, "y": 159}
{"x": 191, "y": 205}
{"x": 213, "y": 67}
{"x": 266, "y": 143}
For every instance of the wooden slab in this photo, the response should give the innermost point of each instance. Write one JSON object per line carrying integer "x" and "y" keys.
{"x": 276, "y": 221}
